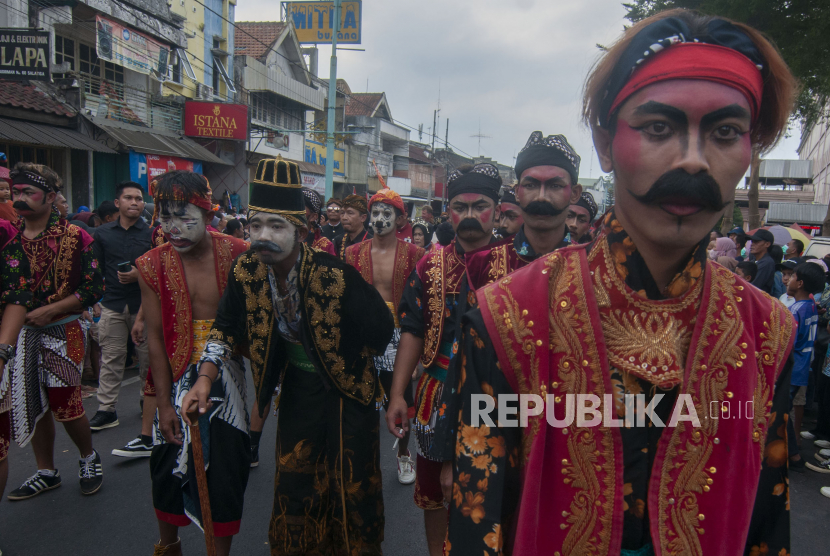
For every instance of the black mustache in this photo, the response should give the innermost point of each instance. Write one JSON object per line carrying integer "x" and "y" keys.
{"x": 542, "y": 208}
{"x": 701, "y": 188}
{"x": 469, "y": 224}
{"x": 261, "y": 245}
{"x": 21, "y": 205}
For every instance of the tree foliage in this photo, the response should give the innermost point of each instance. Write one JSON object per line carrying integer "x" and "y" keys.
{"x": 798, "y": 27}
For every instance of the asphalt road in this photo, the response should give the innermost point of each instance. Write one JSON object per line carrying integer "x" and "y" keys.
{"x": 119, "y": 519}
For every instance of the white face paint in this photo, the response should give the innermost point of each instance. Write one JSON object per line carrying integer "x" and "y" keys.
{"x": 185, "y": 227}
{"x": 272, "y": 236}
{"x": 383, "y": 218}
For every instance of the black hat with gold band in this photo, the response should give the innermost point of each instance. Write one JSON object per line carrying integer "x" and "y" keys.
{"x": 277, "y": 189}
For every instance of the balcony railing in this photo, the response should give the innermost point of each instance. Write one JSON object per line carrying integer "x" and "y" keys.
{"x": 128, "y": 104}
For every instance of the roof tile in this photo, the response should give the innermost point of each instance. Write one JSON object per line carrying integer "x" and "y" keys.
{"x": 254, "y": 38}
{"x": 362, "y": 104}
{"x": 15, "y": 93}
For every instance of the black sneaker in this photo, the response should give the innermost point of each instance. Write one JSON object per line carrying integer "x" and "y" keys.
{"x": 91, "y": 474}
{"x": 103, "y": 420}
{"x": 254, "y": 455}
{"x": 798, "y": 465}
{"x": 135, "y": 448}
{"x": 36, "y": 484}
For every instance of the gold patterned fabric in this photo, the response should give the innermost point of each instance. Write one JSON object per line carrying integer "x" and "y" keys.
{"x": 201, "y": 329}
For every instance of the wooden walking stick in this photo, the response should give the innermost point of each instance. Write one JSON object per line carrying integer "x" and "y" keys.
{"x": 201, "y": 481}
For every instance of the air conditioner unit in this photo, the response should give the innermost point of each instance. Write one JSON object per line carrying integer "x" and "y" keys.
{"x": 204, "y": 92}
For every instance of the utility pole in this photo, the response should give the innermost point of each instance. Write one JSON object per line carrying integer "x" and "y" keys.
{"x": 335, "y": 28}
{"x": 432, "y": 159}
{"x": 446, "y": 165}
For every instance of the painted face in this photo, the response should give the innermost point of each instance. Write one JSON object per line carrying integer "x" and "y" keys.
{"x": 273, "y": 237}
{"x": 511, "y": 218}
{"x": 545, "y": 193}
{"x": 383, "y": 219}
{"x": 5, "y": 192}
{"x": 578, "y": 221}
{"x": 473, "y": 216}
{"x": 30, "y": 201}
{"x": 679, "y": 150}
{"x": 352, "y": 220}
{"x": 184, "y": 225}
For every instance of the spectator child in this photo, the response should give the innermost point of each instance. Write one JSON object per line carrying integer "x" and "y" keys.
{"x": 747, "y": 270}
{"x": 787, "y": 269}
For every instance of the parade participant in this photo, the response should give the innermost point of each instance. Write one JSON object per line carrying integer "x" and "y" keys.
{"x": 181, "y": 284}
{"x": 15, "y": 296}
{"x": 428, "y": 315}
{"x": 641, "y": 310}
{"x": 386, "y": 262}
{"x": 403, "y": 229}
{"x": 511, "y": 214}
{"x": 333, "y": 228}
{"x": 312, "y": 325}
{"x": 421, "y": 235}
{"x": 46, "y": 370}
{"x": 580, "y": 217}
{"x": 315, "y": 237}
{"x": 353, "y": 218}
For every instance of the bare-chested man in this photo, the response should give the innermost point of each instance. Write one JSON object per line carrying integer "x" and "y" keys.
{"x": 181, "y": 284}
{"x": 386, "y": 262}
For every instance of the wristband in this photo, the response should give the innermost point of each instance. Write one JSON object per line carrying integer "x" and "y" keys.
{"x": 206, "y": 376}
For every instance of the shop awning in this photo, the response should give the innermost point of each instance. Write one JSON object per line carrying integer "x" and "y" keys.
{"x": 49, "y": 136}
{"x": 155, "y": 141}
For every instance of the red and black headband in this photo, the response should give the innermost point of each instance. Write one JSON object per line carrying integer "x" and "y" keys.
{"x": 667, "y": 49}
{"x": 24, "y": 177}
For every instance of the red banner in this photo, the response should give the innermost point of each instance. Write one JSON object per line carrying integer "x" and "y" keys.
{"x": 160, "y": 164}
{"x": 215, "y": 120}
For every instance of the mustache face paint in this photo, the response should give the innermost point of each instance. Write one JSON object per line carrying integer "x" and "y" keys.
{"x": 273, "y": 238}
{"x": 383, "y": 219}
{"x": 542, "y": 208}
{"x": 22, "y": 206}
{"x": 682, "y": 194}
{"x": 183, "y": 225}
{"x": 469, "y": 224}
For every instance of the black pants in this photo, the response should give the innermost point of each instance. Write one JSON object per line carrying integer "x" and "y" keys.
{"x": 328, "y": 495}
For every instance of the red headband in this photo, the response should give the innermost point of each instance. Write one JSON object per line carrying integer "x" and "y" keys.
{"x": 389, "y": 197}
{"x": 197, "y": 200}
{"x": 702, "y": 61}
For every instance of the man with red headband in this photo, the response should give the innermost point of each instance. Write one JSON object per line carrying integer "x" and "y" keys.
{"x": 429, "y": 315}
{"x": 386, "y": 262}
{"x": 580, "y": 346}
{"x": 46, "y": 370}
{"x": 181, "y": 284}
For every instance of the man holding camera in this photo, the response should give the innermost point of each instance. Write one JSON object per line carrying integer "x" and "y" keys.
{"x": 117, "y": 245}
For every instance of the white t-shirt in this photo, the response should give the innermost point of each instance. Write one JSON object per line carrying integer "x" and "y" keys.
{"x": 786, "y": 300}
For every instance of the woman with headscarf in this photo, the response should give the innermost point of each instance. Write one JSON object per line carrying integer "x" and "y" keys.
{"x": 724, "y": 247}
{"x": 420, "y": 234}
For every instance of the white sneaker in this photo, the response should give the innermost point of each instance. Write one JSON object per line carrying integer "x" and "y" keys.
{"x": 820, "y": 457}
{"x": 807, "y": 435}
{"x": 822, "y": 443}
{"x": 825, "y": 491}
{"x": 824, "y": 453}
{"x": 406, "y": 470}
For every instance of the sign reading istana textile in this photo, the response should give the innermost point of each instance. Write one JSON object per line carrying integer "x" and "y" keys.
{"x": 313, "y": 21}
{"x": 315, "y": 153}
{"x": 24, "y": 54}
{"x": 216, "y": 120}
{"x": 129, "y": 48}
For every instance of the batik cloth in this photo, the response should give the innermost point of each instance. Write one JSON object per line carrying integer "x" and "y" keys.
{"x": 229, "y": 397}
{"x": 46, "y": 375}
{"x": 328, "y": 497}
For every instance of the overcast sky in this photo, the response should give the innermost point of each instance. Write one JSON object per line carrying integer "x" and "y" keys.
{"x": 515, "y": 66}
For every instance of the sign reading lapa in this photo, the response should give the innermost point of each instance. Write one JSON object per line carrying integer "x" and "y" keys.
{"x": 24, "y": 54}
{"x": 216, "y": 120}
{"x": 313, "y": 21}
{"x": 315, "y": 153}
{"x": 131, "y": 49}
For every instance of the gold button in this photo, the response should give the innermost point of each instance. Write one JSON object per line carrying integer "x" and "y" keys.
{"x": 555, "y": 385}
{"x": 703, "y": 367}
{"x": 584, "y": 363}
{"x": 701, "y": 517}
{"x": 717, "y": 441}
{"x": 564, "y": 514}
{"x": 739, "y": 364}
{"x": 564, "y": 304}
{"x": 671, "y": 500}
{"x": 538, "y": 343}
{"x": 530, "y": 323}
{"x": 524, "y": 312}
{"x": 743, "y": 345}
{"x": 564, "y": 462}
{"x": 743, "y": 356}
{"x": 729, "y": 394}
{"x": 712, "y": 470}
{"x": 563, "y": 526}
{"x": 545, "y": 271}
{"x": 706, "y": 489}
{"x": 566, "y": 364}
{"x": 557, "y": 399}
{"x": 709, "y": 481}
{"x": 739, "y": 299}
